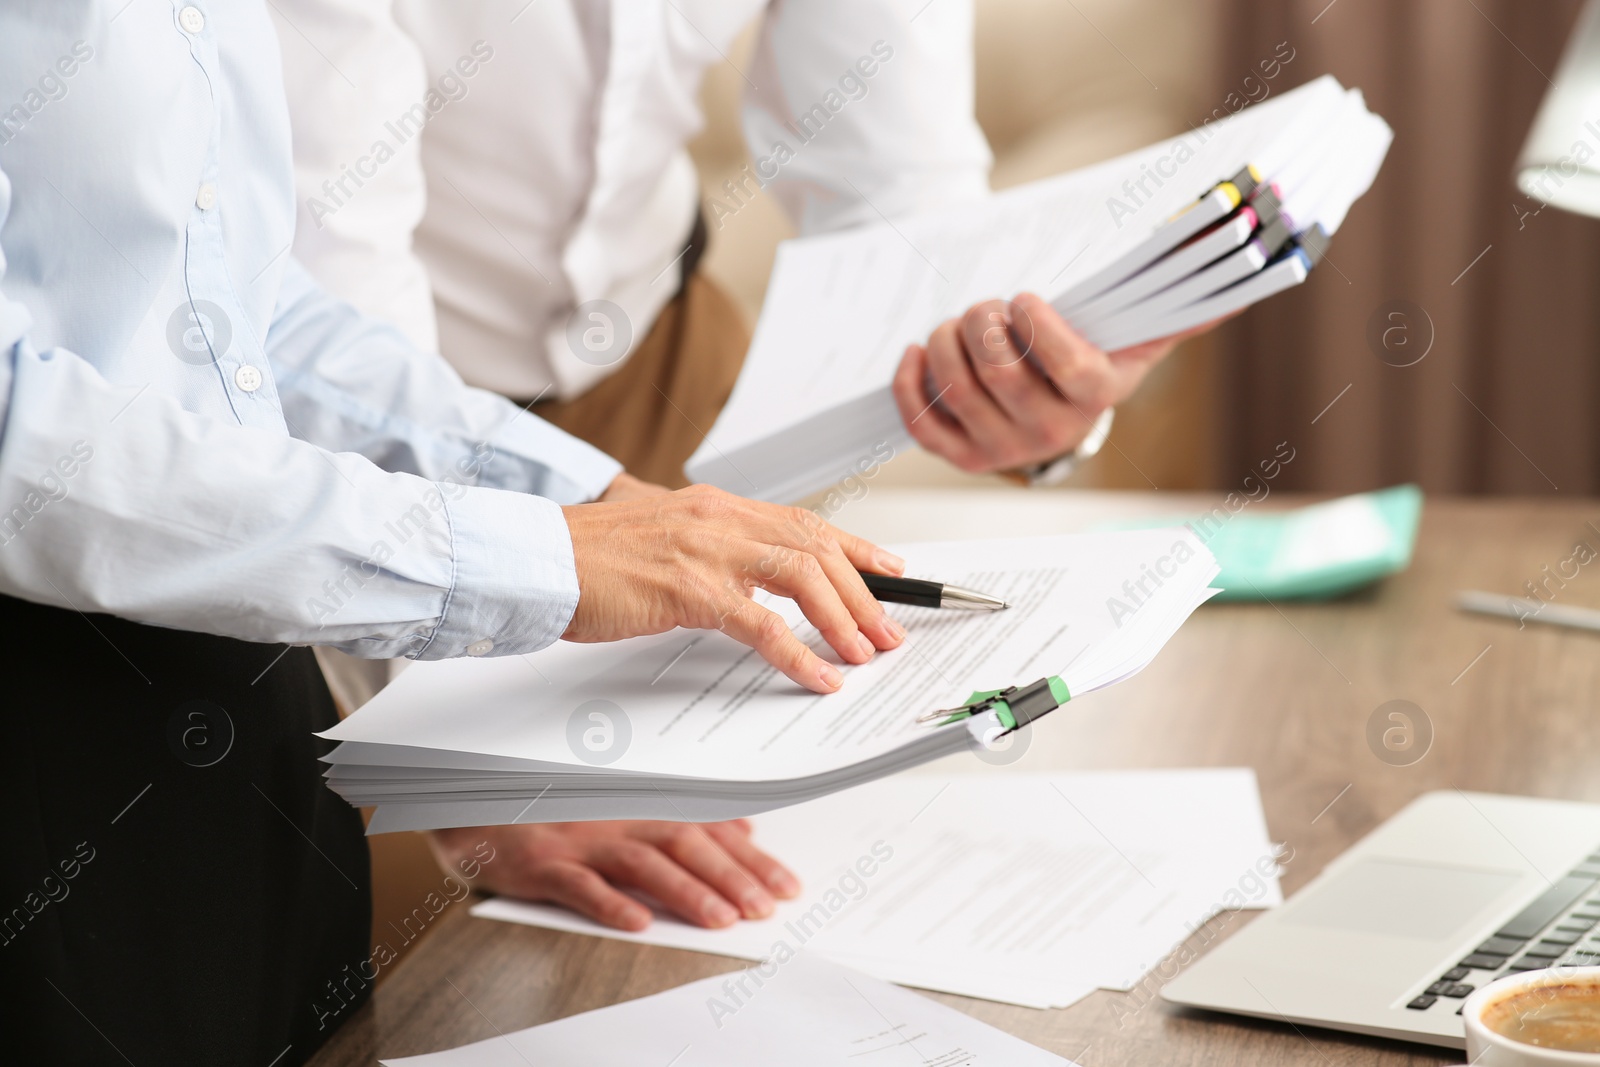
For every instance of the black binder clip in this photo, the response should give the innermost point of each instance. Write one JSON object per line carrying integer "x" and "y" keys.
{"x": 1015, "y": 706}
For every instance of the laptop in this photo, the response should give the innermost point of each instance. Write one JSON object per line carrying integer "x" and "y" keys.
{"x": 1456, "y": 890}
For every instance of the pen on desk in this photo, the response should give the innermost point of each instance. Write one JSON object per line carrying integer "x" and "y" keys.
{"x": 1527, "y": 609}
{"x": 924, "y": 594}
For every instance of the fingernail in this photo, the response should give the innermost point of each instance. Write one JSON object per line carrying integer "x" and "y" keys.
{"x": 864, "y": 643}
{"x": 756, "y": 905}
{"x": 720, "y": 913}
{"x": 894, "y": 628}
{"x": 830, "y": 676}
{"x": 783, "y": 883}
{"x": 888, "y": 561}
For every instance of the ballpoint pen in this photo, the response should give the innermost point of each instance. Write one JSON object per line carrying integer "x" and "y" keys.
{"x": 1527, "y": 609}
{"x": 926, "y": 594}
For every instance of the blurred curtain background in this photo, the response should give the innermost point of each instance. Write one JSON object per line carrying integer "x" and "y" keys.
{"x": 1505, "y": 401}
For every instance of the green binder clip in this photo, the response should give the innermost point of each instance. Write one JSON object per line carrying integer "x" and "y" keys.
{"x": 1014, "y": 707}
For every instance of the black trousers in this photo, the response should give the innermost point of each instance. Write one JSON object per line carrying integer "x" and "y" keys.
{"x": 177, "y": 886}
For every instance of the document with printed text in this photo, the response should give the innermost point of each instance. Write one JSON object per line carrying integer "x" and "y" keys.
{"x": 694, "y": 726}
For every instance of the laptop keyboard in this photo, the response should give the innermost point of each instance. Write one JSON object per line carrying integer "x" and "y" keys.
{"x": 1556, "y": 930}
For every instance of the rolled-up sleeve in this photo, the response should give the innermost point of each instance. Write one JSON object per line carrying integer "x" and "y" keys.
{"x": 853, "y": 113}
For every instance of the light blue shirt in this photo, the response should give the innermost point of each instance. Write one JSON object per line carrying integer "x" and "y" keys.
{"x": 192, "y": 433}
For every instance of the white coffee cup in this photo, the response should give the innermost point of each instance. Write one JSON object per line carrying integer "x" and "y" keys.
{"x": 1488, "y": 1048}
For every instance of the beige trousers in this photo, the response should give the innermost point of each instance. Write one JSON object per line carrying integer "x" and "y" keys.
{"x": 653, "y": 412}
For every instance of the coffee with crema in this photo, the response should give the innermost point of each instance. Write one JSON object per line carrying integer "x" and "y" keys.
{"x": 1557, "y": 1015}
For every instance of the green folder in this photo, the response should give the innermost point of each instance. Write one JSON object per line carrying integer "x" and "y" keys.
{"x": 1309, "y": 553}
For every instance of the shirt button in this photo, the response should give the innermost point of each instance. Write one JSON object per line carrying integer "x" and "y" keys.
{"x": 480, "y": 648}
{"x": 191, "y": 19}
{"x": 247, "y": 378}
{"x": 206, "y": 197}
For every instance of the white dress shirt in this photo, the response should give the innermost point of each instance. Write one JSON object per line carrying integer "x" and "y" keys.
{"x": 195, "y": 435}
{"x": 553, "y": 154}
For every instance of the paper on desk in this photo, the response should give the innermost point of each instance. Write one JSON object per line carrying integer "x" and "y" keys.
{"x": 1028, "y": 888}
{"x": 761, "y": 725}
{"x": 805, "y": 1012}
{"x": 473, "y": 741}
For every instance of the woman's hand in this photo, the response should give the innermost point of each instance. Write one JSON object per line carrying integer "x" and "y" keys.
{"x": 709, "y": 875}
{"x": 693, "y": 558}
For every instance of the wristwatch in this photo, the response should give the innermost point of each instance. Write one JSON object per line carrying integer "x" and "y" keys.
{"x": 1059, "y": 470}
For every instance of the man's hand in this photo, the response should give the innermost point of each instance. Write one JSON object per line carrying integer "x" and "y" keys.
{"x": 710, "y": 874}
{"x": 1013, "y": 385}
{"x": 694, "y": 557}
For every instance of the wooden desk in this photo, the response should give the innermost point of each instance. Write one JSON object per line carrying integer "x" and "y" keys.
{"x": 1287, "y": 690}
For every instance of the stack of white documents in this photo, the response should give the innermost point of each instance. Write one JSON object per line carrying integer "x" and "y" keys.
{"x": 1135, "y": 248}
{"x": 693, "y": 726}
{"x": 1028, "y": 888}
{"x": 803, "y": 1012}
